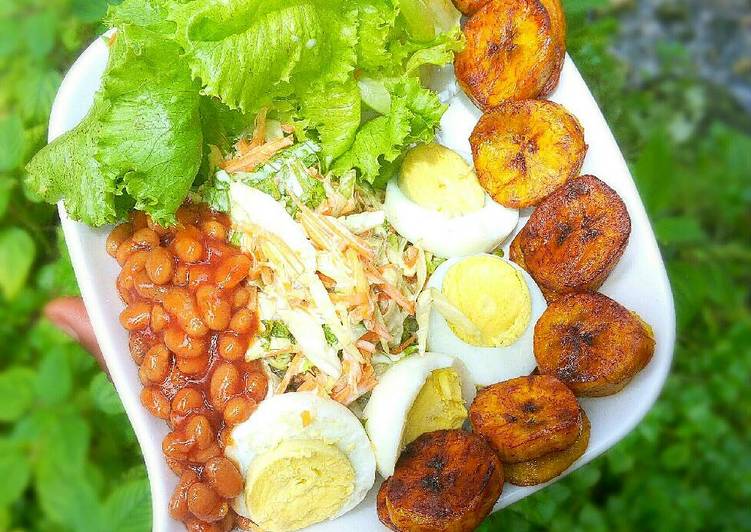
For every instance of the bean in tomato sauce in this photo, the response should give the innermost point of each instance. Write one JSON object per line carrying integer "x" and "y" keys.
{"x": 190, "y": 318}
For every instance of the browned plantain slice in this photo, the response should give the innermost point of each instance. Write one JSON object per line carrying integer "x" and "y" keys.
{"x": 381, "y": 508}
{"x": 469, "y": 7}
{"x": 592, "y": 343}
{"x": 515, "y": 254}
{"x": 445, "y": 480}
{"x": 527, "y": 417}
{"x": 574, "y": 239}
{"x": 524, "y": 150}
{"x": 511, "y": 53}
{"x": 558, "y": 32}
{"x": 551, "y": 465}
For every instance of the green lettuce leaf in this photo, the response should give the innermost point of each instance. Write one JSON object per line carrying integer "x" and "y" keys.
{"x": 67, "y": 169}
{"x": 149, "y": 14}
{"x": 387, "y": 48}
{"x": 334, "y": 110}
{"x": 377, "y": 21}
{"x": 378, "y": 141}
{"x": 150, "y": 134}
{"x": 375, "y": 95}
{"x": 345, "y": 73}
{"x": 140, "y": 145}
{"x": 414, "y": 116}
{"x": 221, "y": 125}
{"x": 249, "y": 52}
{"x": 438, "y": 52}
{"x": 422, "y": 20}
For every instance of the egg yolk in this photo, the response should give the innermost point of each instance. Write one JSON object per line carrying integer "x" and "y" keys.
{"x": 297, "y": 484}
{"x": 439, "y": 179}
{"x": 493, "y": 295}
{"x": 438, "y": 406}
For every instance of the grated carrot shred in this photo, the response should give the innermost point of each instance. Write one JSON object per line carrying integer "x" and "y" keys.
{"x": 256, "y": 156}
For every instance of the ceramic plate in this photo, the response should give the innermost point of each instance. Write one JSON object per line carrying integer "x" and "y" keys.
{"x": 639, "y": 282}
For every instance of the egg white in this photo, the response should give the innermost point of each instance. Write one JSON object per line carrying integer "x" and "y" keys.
{"x": 487, "y": 365}
{"x": 393, "y": 396}
{"x": 444, "y": 236}
{"x": 280, "y": 418}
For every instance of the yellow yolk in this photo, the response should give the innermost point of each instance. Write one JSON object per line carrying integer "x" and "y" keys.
{"x": 297, "y": 484}
{"x": 439, "y": 179}
{"x": 493, "y": 295}
{"x": 438, "y": 406}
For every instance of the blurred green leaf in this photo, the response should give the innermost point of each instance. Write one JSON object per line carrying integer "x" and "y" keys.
{"x": 16, "y": 392}
{"x": 90, "y": 10}
{"x": 65, "y": 443}
{"x": 679, "y": 230}
{"x": 652, "y": 170}
{"x": 58, "y": 277}
{"x": 68, "y": 499}
{"x": 65, "y": 492}
{"x": 47, "y": 415}
{"x": 9, "y": 36}
{"x": 39, "y": 30}
{"x": 676, "y": 456}
{"x": 104, "y": 395}
{"x": 15, "y": 472}
{"x": 11, "y": 141}
{"x": 17, "y": 251}
{"x": 35, "y": 93}
{"x": 128, "y": 508}
{"x": 54, "y": 379}
{"x": 7, "y": 184}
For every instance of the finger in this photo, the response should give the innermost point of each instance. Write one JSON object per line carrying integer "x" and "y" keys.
{"x": 70, "y": 316}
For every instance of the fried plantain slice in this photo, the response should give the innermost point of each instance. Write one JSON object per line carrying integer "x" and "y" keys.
{"x": 511, "y": 53}
{"x": 558, "y": 32}
{"x": 592, "y": 344}
{"x": 515, "y": 254}
{"x": 551, "y": 465}
{"x": 524, "y": 150}
{"x": 526, "y": 417}
{"x": 469, "y": 7}
{"x": 445, "y": 480}
{"x": 574, "y": 239}
{"x": 382, "y": 509}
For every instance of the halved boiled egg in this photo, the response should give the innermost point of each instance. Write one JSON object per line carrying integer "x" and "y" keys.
{"x": 419, "y": 394}
{"x": 437, "y": 203}
{"x": 501, "y": 304}
{"x": 305, "y": 459}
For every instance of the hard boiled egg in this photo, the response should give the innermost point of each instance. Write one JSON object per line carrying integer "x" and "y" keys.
{"x": 305, "y": 459}
{"x": 438, "y": 204}
{"x": 503, "y": 303}
{"x": 419, "y": 394}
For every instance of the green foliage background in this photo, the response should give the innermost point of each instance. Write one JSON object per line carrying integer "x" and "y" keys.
{"x": 68, "y": 457}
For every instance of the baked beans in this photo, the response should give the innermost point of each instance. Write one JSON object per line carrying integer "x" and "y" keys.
{"x": 190, "y": 320}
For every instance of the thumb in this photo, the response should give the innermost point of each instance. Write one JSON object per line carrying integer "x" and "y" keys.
{"x": 69, "y": 315}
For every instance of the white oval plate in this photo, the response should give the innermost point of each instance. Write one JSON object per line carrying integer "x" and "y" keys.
{"x": 639, "y": 282}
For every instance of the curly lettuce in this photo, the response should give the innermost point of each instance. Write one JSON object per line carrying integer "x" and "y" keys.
{"x": 318, "y": 61}
{"x": 413, "y": 116}
{"x": 250, "y": 52}
{"x": 68, "y": 169}
{"x": 186, "y": 77}
{"x": 140, "y": 146}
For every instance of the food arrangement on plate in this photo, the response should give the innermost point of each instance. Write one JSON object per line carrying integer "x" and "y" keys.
{"x": 316, "y": 290}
